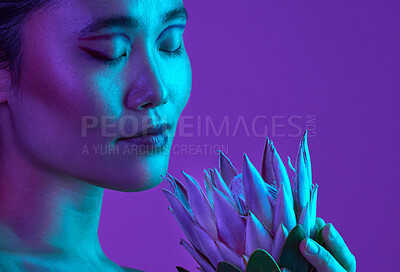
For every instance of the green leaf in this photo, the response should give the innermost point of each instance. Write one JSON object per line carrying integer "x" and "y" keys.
{"x": 291, "y": 257}
{"x": 320, "y": 239}
{"x": 261, "y": 261}
{"x": 227, "y": 267}
{"x": 181, "y": 269}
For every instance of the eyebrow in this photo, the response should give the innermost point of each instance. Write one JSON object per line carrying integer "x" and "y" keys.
{"x": 131, "y": 22}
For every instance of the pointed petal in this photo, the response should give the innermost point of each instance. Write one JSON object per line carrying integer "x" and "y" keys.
{"x": 313, "y": 211}
{"x": 208, "y": 186}
{"x": 200, "y": 206}
{"x": 285, "y": 231}
{"x": 295, "y": 195}
{"x": 303, "y": 175}
{"x": 279, "y": 241}
{"x": 228, "y": 255}
{"x": 282, "y": 177}
{"x": 170, "y": 183}
{"x": 256, "y": 236}
{"x": 183, "y": 217}
{"x": 304, "y": 220}
{"x": 240, "y": 204}
{"x": 256, "y": 193}
{"x": 283, "y": 211}
{"x": 219, "y": 183}
{"x": 209, "y": 248}
{"x": 293, "y": 184}
{"x": 177, "y": 182}
{"x": 179, "y": 190}
{"x": 205, "y": 264}
{"x": 267, "y": 168}
{"x": 229, "y": 223}
{"x": 245, "y": 261}
{"x": 307, "y": 156}
{"x": 228, "y": 171}
{"x": 292, "y": 174}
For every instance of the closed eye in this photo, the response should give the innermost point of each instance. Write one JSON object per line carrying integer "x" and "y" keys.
{"x": 98, "y": 55}
{"x": 107, "y": 48}
{"x": 175, "y": 53}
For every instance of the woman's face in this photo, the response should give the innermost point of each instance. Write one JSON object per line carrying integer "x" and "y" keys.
{"x": 85, "y": 86}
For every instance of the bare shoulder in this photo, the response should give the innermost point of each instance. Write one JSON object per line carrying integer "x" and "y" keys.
{"x": 127, "y": 269}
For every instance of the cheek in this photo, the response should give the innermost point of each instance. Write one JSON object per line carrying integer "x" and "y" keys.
{"x": 107, "y": 93}
{"x": 47, "y": 116}
{"x": 48, "y": 110}
{"x": 181, "y": 80}
{"x": 57, "y": 86}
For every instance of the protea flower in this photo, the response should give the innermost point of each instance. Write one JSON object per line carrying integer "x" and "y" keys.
{"x": 248, "y": 219}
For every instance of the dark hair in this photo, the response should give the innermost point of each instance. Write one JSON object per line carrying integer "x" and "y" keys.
{"x": 12, "y": 15}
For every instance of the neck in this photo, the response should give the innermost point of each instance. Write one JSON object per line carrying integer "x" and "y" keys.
{"x": 44, "y": 211}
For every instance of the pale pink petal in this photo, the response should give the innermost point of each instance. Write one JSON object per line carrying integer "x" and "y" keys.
{"x": 228, "y": 171}
{"x": 304, "y": 220}
{"x": 184, "y": 218}
{"x": 219, "y": 183}
{"x": 283, "y": 211}
{"x": 228, "y": 255}
{"x": 281, "y": 175}
{"x": 208, "y": 186}
{"x": 200, "y": 206}
{"x": 210, "y": 250}
{"x": 256, "y": 236}
{"x": 303, "y": 175}
{"x": 205, "y": 264}
{"x": 230, "y": 225}
{"x": 313, "y": 211}
{"x": 279, "y": 241}
{"x": 256, "y": 193}
{"x": 267, "y": 168}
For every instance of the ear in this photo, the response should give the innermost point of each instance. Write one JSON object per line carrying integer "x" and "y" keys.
{"x": 5, "y": 84}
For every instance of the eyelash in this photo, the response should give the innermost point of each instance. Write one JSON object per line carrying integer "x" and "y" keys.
{"x": 175, "y": 53}
{"x": 114, "y": 62}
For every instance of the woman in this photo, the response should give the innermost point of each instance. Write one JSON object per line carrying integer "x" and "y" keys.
{"x": 78, "y": 76}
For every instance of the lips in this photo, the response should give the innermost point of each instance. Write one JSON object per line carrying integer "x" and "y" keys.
{"x": 150, "y": 131}
{"x": 151, "y": 138}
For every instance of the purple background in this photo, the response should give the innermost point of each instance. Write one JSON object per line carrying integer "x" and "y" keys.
{"x": 337, "y": 60}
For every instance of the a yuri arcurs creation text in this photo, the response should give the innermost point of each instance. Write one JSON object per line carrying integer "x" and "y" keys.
{"x": 248, "y": 221}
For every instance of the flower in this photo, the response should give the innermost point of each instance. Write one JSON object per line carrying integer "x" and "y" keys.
{"x": 248, "y": 215}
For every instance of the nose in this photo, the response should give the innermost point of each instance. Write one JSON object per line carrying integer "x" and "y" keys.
{"x": 148, "y": 89}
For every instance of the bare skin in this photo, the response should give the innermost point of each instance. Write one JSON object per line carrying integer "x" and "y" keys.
{"x": 51, "y": 190}
{"x": 336, "y": 258}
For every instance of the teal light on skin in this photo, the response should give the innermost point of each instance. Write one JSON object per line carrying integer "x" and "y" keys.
{"x": 51, "y": 193}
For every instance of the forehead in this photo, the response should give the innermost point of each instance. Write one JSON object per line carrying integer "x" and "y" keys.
{"x": 148, "y": 11}
{"x": 67, "y": 20}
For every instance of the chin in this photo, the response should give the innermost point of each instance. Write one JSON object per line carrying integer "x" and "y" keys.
{"x": 139, "y": 179}
{"x": 148, "y": 184}
{"x": 131, "y": 184}
{"x": 125, "y": 174}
